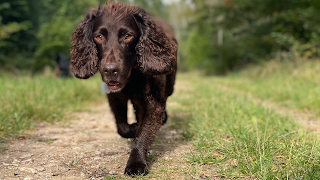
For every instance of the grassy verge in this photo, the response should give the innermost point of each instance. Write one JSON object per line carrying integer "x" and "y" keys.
{"x": 235, "y": 137}
{"x": 25, "y": 100}
{"x": 290, "y": 84}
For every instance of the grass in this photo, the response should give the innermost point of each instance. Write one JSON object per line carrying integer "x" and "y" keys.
{"x": 27, "y": 100}
{"x": 290, "y": 84}
{"x": 238, "y": 138}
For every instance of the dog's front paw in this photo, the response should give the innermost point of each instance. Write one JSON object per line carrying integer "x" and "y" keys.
{"x": 134, "y": 128}
{"x": 126, "y": 130}
{"x": 136, "y": 169}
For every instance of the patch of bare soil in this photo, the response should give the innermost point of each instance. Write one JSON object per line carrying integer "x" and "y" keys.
{"x": 87, "y": 148}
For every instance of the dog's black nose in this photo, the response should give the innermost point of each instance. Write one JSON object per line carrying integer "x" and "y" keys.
{"x": 111, "y": 69}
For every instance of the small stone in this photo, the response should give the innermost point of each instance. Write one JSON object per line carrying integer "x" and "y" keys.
{"x": 21, "y": 138}
{"x": 49, "y": 165}
{"x": 25, "y": 169}
{"x": 26, "y": 156}
{"x": 28, "y": 160}
{"x": 34, "y": 171}
{"x": 15, "y": 161}
{"x": 82, "y": 163}
{"x": 29, "y": 178}
{"x": 47, "y": 175}
{"x": 97, "y": 152}
{"x": 105, "y": 127}
{"x": 41, "y": 169}
{"x": 93, "y": 127}
{"x": 5, "y": 164}
{"x": 64, "y": 170}
{"x": 76, "y": 148}
{"x": 112, "y": 173}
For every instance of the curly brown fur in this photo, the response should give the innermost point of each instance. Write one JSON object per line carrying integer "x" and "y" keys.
{"x": 84, "y": 60}
{"x": 156, "y": 53}
{"x": 114, "y": 39}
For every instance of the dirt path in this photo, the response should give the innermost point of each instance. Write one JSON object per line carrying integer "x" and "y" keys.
{"x": 87, "y": 148}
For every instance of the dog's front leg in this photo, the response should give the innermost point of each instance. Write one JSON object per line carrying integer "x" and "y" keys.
{"x": 147, "y": 130}
{"x": 119, "y": 106}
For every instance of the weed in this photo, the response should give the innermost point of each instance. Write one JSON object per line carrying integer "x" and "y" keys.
{"x": 74, "y": 164}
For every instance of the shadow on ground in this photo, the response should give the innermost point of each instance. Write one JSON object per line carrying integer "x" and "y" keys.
{"x": 173, "y": 136}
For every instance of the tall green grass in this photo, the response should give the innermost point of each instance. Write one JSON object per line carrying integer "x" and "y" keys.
{"x": 238, "y": 138}
{"x": 291, "y": 84}
{"x": 25, "y": 100}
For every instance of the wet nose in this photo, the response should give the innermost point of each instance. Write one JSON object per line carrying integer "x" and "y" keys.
{"x": 111, "y": 69}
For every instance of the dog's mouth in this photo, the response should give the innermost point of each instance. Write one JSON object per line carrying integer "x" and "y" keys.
{"x": 115, "y": 83}
{"x": 115, "y": 86}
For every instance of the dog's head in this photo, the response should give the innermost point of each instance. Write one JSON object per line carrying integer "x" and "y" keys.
{"x": 114, "y": 39}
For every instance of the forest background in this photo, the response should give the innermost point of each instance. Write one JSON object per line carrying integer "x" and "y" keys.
{"x": 218, "y": 36}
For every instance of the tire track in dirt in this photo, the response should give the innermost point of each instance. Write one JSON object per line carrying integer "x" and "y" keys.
{"x": 307, "y": 119}
{"x": 87, "y": 148}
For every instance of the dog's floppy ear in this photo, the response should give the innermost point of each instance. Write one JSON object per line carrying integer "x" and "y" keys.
{"x": 156, "y": 53}
{"x": 84, "y": 56}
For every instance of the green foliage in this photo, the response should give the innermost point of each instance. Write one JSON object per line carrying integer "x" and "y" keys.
{"x": 54, "y": 34}
{"x": 155, "y": 7}
{"x": 257, "y": 29}
{"x": 199, "y": 47}
{"x": 10, "y": 28}
{"x": 300, "y": 50}
{"x": 16, "y": 32}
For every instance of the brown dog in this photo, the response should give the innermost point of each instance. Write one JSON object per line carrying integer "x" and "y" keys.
{"x": 136, "y": 55}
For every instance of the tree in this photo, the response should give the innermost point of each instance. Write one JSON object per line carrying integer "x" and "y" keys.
{"x": 55, "y": 33}
{"x": 254, "y": 30}
{"x": 10, "y": 28}
{"x": 18, "y": 26}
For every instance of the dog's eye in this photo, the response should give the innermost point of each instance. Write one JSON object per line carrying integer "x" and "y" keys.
{"x": 128, "y": 37}
{"x": 98, "y": 38}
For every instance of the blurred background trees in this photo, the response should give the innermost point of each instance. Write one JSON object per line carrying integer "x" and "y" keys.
{"x": 42, "y": 30}
{"x": 253, "y": 31}
{"x": 218, "y": 36}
